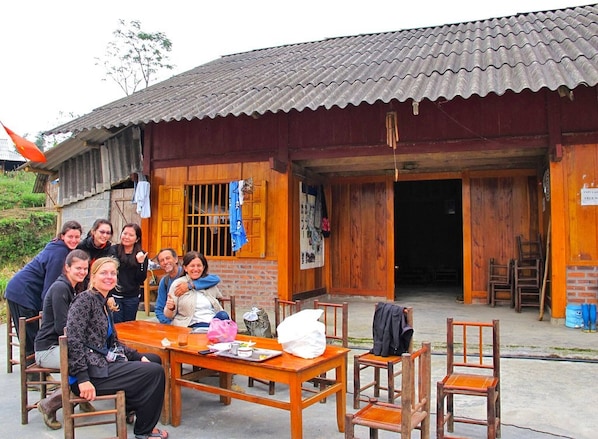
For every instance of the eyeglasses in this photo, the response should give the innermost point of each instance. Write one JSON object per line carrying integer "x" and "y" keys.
{"x": 104, "y": 232}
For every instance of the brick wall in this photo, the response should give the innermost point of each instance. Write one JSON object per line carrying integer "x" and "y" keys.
{"x": 582, "y": 284}
{"x": 251, "y": 281}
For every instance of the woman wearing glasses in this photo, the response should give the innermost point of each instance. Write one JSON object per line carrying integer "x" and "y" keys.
{"x": 97, "y": 242}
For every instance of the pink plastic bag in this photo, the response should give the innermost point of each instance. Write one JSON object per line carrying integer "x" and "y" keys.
{"x": 222, "y": 331}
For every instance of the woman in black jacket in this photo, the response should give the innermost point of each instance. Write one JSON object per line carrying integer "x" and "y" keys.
{"x": 99, "y": 364}
{"x": 56, "y": 306}
{"x": 132, "y": 273}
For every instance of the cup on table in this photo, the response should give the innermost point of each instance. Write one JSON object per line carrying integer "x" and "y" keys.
{"x": 234, "y": 347}
{"x": 183, "y": 339}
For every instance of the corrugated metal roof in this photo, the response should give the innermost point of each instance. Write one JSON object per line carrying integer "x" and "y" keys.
{"x": 526, "y": 51}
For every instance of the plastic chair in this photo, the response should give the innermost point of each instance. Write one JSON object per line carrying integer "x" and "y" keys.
{"x": 471, "y": 372}
{"x": 32, "y": 375}
{"x": 414, "y": 410}
{"x": 69, "y": 401}
{"x": 282, "y": 309}
{"x": 500, "y": 283}
{"x": 390, "y": 363}
{"x": 12, "y": 341}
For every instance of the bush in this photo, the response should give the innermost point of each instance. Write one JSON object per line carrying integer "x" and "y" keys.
{"x": 21, "y": 239}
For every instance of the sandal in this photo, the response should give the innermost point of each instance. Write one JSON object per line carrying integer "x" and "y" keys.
{"x": 156, "y": 432}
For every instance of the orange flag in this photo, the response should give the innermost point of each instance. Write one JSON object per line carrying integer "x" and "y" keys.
{"x": 27, "y": 149}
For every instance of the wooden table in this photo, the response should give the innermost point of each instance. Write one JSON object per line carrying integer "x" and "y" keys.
{"x": 147, "y": 337}
{"x": 286, "y": 368}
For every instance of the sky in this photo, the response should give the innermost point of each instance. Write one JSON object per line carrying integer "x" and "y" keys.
{"x": 48, "y": 71}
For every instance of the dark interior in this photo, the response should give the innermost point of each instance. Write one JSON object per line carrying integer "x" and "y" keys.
{"x": 428, "y": 233}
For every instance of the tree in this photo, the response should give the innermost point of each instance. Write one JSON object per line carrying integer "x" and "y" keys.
{"x": 135, "y": 56}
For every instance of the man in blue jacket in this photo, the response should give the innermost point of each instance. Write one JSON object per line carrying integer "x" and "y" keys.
{"x": 169, "y": 262}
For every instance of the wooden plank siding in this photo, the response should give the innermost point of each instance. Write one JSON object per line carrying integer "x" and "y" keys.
{"x": 361, "y": 243}
{"x": 502, "y": 207}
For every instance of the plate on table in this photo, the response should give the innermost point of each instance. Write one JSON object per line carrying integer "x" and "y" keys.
{"x": 219, "y": 347}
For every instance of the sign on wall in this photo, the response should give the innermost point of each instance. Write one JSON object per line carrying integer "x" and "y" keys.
{"x": 589, "y": 196}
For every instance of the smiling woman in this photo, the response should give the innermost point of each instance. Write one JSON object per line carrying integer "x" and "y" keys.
{"x": 199, "y": 305}
{"x": 27, "y": 289}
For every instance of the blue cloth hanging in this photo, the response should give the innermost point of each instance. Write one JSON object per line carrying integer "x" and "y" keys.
{"x": 237, "y": 230}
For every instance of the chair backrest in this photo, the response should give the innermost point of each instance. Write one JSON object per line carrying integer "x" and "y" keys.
{"x": 284, "y": 308}
{"x": 416, "y": 386}
{"x": 336, "y": 320}
{"x": 500, "y": 274}
{"x": 116, "y": 415}
{"x": 12, "y": 341}
{"x": 24, "y": 357}
{"x": 230, "y": 302}
{"x": 528, "y": 274}
{"x": 529, "y": 250}
{"x": 473, "y": 345}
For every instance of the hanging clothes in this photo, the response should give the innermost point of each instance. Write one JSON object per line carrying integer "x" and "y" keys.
{"x": 237, "y": 230}
{"x": 142, "y": 198}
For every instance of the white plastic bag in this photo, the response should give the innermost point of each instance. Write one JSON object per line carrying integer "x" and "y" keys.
{"x": 301, "y": 334}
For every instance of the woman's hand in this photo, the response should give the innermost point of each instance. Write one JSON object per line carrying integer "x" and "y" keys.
{"x": 140, "y": 256}
{"x": 87, "y": 390}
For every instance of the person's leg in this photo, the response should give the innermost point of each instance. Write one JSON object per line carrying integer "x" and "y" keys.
{"x": 129, "y": 307}
{"x": 17, "y": 311}
{"x": 143, "y": 383}
{"x": 49, "y": 358}
{"x": 119, "y": 316}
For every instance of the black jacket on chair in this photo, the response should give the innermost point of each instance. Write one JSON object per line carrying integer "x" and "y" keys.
{"x": 392, "y": 334}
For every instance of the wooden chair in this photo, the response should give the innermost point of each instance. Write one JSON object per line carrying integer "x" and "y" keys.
{"x": 32, "y": 375}
{"x": 528, "y": 284}
{"x": 501, "y": 284}
{"x": 229, "y": 302}
{"x": 282, "y": 309}
{"x": 336, "y": 323}
{"x": 366, "y": 360}
{"x": 12, "y": 341}
{"x": 529, "y": 251}
{"x": 117, "y": 414}
{"x": 472, "y": 372}
{"x": 414, "y": 410}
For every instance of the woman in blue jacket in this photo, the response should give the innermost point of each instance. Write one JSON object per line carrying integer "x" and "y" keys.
{"x": 26, "y": 291}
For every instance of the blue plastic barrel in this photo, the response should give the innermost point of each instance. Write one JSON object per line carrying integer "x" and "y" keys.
{"x": 573, "y": 318}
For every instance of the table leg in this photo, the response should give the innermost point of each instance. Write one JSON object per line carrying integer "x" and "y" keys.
{"x": 166, "y": 415}
{"x": 226, "y": 382}
{"x": 341, "y": 396}
{"x": 295, "y": 400}
{"x": 175, "y": 390}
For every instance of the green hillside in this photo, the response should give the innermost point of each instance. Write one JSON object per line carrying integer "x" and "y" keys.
{"x": 25, "y": 225}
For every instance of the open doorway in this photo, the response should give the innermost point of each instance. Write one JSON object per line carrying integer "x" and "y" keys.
{"x": 428, "y": 235}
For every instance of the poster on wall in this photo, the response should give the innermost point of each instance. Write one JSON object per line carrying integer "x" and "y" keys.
{"x": 311, "y": 238}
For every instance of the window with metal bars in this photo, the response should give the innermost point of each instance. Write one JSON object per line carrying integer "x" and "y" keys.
{"x": 207, "y": 219}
